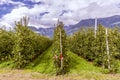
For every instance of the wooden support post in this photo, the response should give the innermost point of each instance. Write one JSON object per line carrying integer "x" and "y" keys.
{"x": 107, "y": 49}
{"x": 95, "y": 26}
{"x": 61, "y": 49}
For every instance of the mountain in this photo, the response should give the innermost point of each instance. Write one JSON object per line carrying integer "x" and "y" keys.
{"x": 107, "y": 22}
{"x": 43, "y": 31}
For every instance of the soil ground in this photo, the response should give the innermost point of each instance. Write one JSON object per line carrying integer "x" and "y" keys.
{"x": 29, "y": 75}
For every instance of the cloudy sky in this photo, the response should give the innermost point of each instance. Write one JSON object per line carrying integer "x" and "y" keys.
{"x": 45, "y": 13}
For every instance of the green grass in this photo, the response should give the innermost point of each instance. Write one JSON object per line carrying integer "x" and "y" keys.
{"x": 79, "y": 64}
{"x": 44, "y": 64}
{"x": 6, "y": 64}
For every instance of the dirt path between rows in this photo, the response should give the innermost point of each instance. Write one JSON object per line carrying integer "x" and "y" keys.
{"x": 16, "y": 75}
{"x": 30, "y": 75}
{"x": 26, "y": 75}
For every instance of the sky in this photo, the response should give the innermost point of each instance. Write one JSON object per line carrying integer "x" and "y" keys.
{"x": 45, "y": 13}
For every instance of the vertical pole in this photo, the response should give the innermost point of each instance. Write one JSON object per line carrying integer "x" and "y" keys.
{"x": 61, "y": 49}
{"x": 95, "y": 26}
{"x": 107, "y": 49}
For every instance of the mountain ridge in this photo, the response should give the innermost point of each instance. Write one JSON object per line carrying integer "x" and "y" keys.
{"x": 107, "y": 22}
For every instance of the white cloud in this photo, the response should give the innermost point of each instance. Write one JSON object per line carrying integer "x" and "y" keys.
{"x": 15, "y": 14}
{"x": 4, "y": 24}
{"x": 18, "y": 13}
{"x": 76, "y": 11}
{"x": 11, "y": 2}
{"x": 82, "y": 9}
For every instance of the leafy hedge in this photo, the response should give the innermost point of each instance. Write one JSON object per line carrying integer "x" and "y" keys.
{"x": 57, "y": 50}
{"x": 6, "y": 44}
{"x": 85, "y": 44}
{"x": 27, "y": 44}
{"x": 22, "y": 45}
